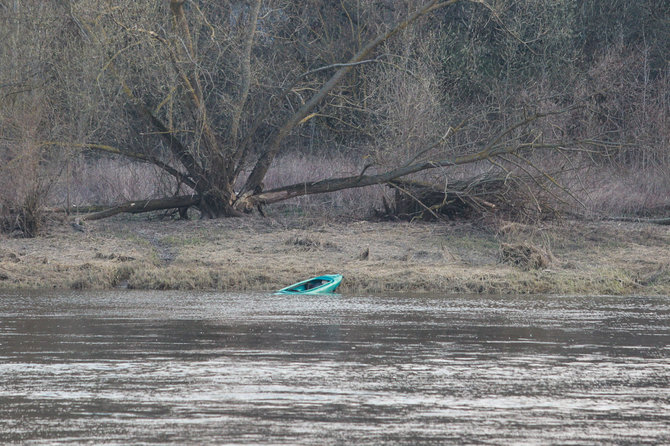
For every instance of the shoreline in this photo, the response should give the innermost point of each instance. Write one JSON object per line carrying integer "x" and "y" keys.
{"x": 265, "y": 254}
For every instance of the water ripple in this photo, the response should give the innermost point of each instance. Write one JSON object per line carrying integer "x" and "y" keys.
{"x": 207, "y": 368}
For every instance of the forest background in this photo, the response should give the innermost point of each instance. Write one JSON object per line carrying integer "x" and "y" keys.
{"x": 105, "y": 102}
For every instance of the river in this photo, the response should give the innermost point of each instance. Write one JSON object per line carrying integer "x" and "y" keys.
{"x": 136, "y": 367}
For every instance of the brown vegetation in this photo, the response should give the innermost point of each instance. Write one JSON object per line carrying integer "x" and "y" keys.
{"x": 257, "y": 254}
{"x": 525, "y": 256}
{"x": 214, "y": 95}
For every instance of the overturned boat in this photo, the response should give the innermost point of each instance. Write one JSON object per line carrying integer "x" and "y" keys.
{"x": 325, "y": 284}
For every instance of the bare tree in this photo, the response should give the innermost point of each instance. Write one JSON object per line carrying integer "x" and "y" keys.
{"x": 212, "y": 92}
{"x": 35, "y": 106}
{"x": 214, "y": 89}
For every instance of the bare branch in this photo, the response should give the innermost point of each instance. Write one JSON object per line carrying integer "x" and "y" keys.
{"x": 263, "y": 164}
{"x": 245, "y": 75}
{"x": 338, "y": 65}
{"x": 421, "y": 203}
{"x": 335, "y": 184}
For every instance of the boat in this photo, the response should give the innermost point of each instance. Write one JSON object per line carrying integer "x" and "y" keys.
{"x": 325, "y": 284}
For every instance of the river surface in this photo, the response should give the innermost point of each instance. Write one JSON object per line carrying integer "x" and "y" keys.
{"x": 132, "y": 367}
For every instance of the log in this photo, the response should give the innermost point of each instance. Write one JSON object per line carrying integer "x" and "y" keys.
{"x": 136, "y": 207}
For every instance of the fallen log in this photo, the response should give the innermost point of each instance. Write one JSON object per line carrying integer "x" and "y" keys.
{"x": 136, "y": 207}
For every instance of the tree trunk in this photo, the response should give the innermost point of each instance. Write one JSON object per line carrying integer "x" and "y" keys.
{"x": 136, "y": 207}
{"x": 215, "y": 204}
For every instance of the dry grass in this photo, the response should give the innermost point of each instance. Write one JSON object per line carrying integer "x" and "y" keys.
{"x": 318, "y": 234}
{"x": 525, "y": 256}
{"x": 618, "y": 192}
{"x": 108, "y": 181}
{"x": 267, "y": 254}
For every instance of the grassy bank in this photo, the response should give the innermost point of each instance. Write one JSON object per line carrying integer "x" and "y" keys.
{"x": 266, "y": 254}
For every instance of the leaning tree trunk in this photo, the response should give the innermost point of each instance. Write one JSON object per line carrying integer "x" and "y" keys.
{"x": 216, "y": 197}
{"x": 216, "y": 203}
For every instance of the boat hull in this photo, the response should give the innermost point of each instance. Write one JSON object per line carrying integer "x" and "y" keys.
{"x": 326, "y": 284}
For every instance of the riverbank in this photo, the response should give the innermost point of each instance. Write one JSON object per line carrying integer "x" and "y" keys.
{"x": 262, "y": 254}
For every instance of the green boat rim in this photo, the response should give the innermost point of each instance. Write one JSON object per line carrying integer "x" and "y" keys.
{"x": 324, "y": 284}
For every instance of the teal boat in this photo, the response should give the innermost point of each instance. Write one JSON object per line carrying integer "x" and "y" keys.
{"x": 325, "y": 284}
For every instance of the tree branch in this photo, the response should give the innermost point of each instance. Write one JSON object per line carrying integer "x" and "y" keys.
{"x": 238, "y": 107}
{"x": 335, "y": 184}
{"x": 263, "y": 164}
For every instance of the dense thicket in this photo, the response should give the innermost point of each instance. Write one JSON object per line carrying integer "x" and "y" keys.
{"x": 610, "y": 56}
{"x": 210, "y": 92}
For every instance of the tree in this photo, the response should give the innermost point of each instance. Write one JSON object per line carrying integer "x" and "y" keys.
{"x": 208, "y": 89}
{"x": 35, "y": 105}
{"x": 212, "y": 92}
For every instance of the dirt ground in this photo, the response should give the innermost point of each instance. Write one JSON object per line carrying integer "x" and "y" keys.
{"x": 564, "y": 257}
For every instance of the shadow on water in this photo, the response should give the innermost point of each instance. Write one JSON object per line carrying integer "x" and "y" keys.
{"x": 133, "y": 367}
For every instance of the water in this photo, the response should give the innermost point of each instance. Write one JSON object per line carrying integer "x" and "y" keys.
{"x": 205, "y": 368}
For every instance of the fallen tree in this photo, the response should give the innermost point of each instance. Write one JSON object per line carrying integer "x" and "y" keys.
{"x": 495, "y": 151}
{"x": 464, "y": 190}
{"x": 138, "y": 207}
{"x": 212, "y": 118}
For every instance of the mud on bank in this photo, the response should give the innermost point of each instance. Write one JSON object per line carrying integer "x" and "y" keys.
{"x": 259, "y": 254}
